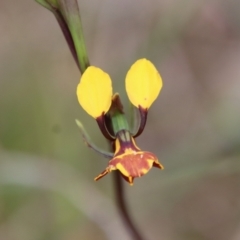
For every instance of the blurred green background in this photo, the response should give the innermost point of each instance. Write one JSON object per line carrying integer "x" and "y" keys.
{"x": 47, "y": 190}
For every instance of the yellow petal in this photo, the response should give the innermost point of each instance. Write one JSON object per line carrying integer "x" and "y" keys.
{"x": 143, "y": 83}
{"x": 94, "y": 91}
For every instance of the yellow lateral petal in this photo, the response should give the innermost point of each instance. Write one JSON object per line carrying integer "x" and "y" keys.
{"x": 94, "y": 91}
{"x": 143, "y": 83}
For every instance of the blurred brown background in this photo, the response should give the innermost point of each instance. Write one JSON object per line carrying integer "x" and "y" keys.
{"x": 47, "y": 190}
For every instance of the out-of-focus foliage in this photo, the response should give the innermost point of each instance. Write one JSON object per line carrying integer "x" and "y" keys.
{"x": 46, "y": 172}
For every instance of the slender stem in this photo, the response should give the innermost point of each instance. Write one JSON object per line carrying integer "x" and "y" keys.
{"x": 122, "y": 206}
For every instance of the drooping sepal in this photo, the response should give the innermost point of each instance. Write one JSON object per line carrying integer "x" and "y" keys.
{"x": 129, "y": 159}
{"x": 132, "y": 165}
